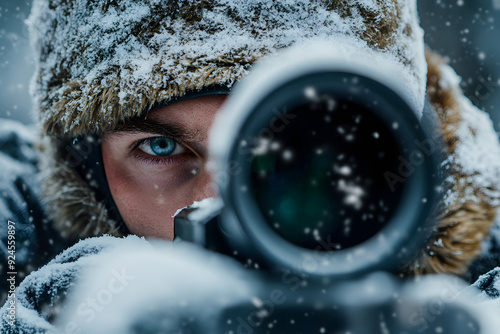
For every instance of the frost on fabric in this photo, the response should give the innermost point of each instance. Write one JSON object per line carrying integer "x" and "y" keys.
{"x": 122, "y": 46}
{"x": 478, "y": 150}
{"x": 489, "y": 283}
{"x": 27, "y": 133}
{"x": 16, "y": 140}
{"x": 162, "y": 289}
{"x": 40, "y": 293}
{"x": 184, "y": 289}
{"x": 446, "y": 289}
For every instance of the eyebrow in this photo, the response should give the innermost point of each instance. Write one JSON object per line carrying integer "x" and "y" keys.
{"x": 173, "y": 130}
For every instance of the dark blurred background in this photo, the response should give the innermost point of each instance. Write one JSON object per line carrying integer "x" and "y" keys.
{"x": 16, "y": 61}
{"x": 465, "y": 31}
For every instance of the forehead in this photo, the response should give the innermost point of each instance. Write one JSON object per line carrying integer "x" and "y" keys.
{"x": 197, "y": 110}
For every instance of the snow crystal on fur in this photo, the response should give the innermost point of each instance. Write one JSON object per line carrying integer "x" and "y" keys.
{"x": 102, "y": 62}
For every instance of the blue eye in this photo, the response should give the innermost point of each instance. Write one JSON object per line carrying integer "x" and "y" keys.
{"x": 161, "y": 146}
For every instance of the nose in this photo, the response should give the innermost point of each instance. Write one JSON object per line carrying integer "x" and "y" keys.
{"x": 205, "y": 187}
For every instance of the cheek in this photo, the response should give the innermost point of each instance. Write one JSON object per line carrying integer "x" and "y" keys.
{"x": 146, "y": 207}
{"x": 146, "y": 200}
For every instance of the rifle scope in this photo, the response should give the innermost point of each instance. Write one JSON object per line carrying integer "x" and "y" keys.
{"x": 323, "y": 167}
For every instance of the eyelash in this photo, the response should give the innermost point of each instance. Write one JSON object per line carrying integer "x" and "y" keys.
{"x": 153, "y": 161}
{"x": 149, "y": 159}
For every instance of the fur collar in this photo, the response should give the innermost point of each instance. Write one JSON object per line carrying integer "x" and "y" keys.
{"x": 470, "y": 205}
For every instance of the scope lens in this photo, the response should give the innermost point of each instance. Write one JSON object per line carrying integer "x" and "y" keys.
{"x": 318, "y": 173}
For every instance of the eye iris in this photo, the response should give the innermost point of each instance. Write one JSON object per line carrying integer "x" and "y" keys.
{"x": 162, "y": 145}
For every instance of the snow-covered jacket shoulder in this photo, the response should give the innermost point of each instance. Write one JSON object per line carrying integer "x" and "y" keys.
{"x": 33, "y": 241}
{"x": 39, "y": 297}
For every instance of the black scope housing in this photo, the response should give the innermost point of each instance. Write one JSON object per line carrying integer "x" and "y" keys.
{"x": 324, "y": 171}
{"x": 330, "y": 179}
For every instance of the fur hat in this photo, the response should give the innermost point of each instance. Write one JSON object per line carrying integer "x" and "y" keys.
{"x": 101, "y": 62}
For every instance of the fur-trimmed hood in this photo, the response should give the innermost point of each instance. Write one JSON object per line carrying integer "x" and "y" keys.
{"x": 471, "y": 201}
{"x": 102, "y": 62}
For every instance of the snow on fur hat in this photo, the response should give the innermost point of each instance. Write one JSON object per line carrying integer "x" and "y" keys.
{"x": 101, "y": 62}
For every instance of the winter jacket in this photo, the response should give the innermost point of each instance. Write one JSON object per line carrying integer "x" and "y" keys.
{"x": 101, "y": 63}
{"x": 35, "y": 240}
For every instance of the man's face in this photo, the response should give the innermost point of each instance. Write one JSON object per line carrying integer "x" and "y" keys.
{"x": 157, "y": 165}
